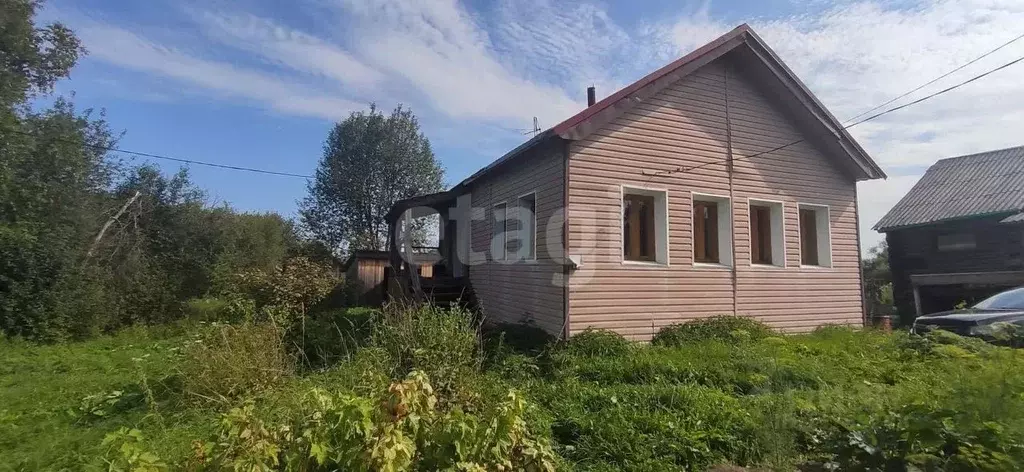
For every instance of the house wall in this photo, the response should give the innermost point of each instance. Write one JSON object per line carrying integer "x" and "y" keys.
{"x": 685, "y": 125}
{"x": 998, "y": 247}
{"x": 524, "y": 291}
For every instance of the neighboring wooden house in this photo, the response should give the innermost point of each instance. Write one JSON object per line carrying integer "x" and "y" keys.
{"x": 957, "y": 235}
{"x": 717, "y": 184}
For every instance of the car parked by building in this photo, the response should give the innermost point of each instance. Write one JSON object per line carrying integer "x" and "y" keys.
{"x": 994, "y": 319}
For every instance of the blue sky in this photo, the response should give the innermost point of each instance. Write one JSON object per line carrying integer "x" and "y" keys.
{"x": 258, "y": 83}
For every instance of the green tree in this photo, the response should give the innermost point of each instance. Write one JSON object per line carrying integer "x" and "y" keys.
{"x": 370, "y": 161}
{"x": 32, "y": 58}
{"x": 52, "y": 170}
{"x": 877, "y": 279}
{"x": 87, "y": 244}
{"x": 171, "y": 246}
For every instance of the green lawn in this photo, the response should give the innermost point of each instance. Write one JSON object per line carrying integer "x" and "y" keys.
{"x": 43, "y": 390}
{"x": 853, "y": 399}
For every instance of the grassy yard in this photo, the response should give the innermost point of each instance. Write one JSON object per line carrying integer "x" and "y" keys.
{"x": 723, "y": 394}
{"x": 44, "y": 406}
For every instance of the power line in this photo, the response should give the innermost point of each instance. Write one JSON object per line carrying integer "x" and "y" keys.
{"x": 940, "y": 92}
{"x": 872, "y": 117}
{"x": 943, "y": 76}
{"x": 536, "y": 128}
{"x": 169, "y": 158}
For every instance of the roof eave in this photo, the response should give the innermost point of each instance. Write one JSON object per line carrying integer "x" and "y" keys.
{"x": 529, "y": 144}
{"x": 594, "y": 117}
{"x": 869, "y": 168}
{"x": 891, "y": 228}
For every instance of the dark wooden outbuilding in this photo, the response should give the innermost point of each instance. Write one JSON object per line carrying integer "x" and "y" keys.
{"x": 366, "y": 277}
{"x": 958, "y": 235}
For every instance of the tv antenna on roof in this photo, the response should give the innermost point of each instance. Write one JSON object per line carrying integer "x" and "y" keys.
{"x": 536, "y": 127}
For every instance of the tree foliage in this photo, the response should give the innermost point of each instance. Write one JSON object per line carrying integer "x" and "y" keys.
{"x": 878, "y": 281}
{"x": 51, "y": 174}
{"x": 87, "y": 243}
{"x": 370, "y": 161}
{"x": 32, "y": 58}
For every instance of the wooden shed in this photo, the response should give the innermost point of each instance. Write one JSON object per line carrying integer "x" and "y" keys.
{"x": 366, "y": 278}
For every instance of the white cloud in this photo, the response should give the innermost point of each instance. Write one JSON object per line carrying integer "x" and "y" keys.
{"x": 126, "y": 49}
{"x": 439, "y": 49}
{"x": 470, "y": 74}
{"x": 874, "y": 199}
{"x": 290, "y": 48}
{"x": 859, "y": 54}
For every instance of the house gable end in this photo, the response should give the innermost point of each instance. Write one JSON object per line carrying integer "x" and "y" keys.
{"x": 687, "y": 126}
{"x": 753, "y": 58}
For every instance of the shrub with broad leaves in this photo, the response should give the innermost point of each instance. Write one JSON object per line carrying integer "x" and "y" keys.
{"x": 734, "y": 329}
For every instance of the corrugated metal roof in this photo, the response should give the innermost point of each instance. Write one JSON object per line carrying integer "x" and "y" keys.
{"x": 1015, "y": 218}
{"x": 960, "y": 187}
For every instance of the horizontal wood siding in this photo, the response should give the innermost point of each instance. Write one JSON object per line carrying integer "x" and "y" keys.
{"x": 525, "y": 291}
{"x": 685, "y": 126}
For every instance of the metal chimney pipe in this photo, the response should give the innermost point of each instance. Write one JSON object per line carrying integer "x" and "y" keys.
{"x": 591, "y": 96}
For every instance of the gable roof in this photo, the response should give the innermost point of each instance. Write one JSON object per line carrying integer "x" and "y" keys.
{"x": 758, "y": 59}
{"x": 987, "y": 183}
{"x": 361, "y": 254}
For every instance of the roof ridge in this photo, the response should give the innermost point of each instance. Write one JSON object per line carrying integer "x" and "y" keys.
{"x": 978, "y": 154}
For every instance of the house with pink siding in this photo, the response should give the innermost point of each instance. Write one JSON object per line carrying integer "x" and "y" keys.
{"x": 718, "y": 184}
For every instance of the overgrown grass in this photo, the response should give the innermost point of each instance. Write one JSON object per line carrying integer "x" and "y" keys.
{"x": 721, "y": 393}
{"x": 58, "y": 401}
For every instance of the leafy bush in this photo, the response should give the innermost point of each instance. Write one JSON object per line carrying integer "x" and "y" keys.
{"x": 207, "y": 309}
{"x": 102, "y": 405}
{"x": 231, "y": 361}
{"x": 401, "y": 430}
{"x": 441, "y": 342}
{"x": 919, "y": 436}
{"x": 332, "y": 335}
{"x": 941, "y": 343}
{"x": 723, "y": 328}
{"x": 127, "y": 451}
{"x": 597, "y": 342}
{"x": 297, "y": 285}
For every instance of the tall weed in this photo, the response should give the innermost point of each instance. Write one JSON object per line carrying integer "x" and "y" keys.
{"x": 441, "y": 342}
{"x": 230, "y": 361}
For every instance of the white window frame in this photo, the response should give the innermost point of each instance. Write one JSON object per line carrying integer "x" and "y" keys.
{"x": 778, "y": 226}
{"x": 504, "y": 232}
{"x": 661, "y": 250}
{"x": 532, "y": 256}
{"x": 823, "y": 232}
{"x": 725, "y": 230}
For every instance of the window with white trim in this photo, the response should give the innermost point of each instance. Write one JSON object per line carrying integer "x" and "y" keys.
{"x": 527, "y": 222}
{"x": 815, "y": 239}
{"x": 712, "y": 230}
{"x": 767, "y": 246}
{"x": 644, "y": 225}
{"x": 499, "y": 232}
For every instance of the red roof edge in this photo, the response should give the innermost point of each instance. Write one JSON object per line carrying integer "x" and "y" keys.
{"x": 610, "y": 100}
